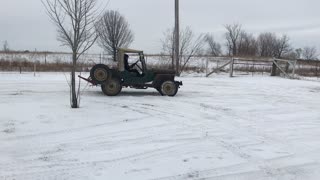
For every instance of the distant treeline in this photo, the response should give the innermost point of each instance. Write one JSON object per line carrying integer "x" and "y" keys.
{"x": 197, "y": 64}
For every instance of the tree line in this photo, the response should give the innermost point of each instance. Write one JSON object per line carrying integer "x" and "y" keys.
{"x": 266, "y": 44}
{"x": 238, "y": 43}
{"x": 112, "y": 31}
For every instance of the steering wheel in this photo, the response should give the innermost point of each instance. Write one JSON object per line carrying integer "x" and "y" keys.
{"x": 134, "y": 64}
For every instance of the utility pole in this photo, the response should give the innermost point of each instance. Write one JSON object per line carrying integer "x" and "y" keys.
{"x": 177, "y": 37}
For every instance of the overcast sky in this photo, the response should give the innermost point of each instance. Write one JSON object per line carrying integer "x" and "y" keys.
{"x": 25, "y": 25}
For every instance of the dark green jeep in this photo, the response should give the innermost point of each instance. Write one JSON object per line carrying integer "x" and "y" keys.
{"x": 134, "y": 75}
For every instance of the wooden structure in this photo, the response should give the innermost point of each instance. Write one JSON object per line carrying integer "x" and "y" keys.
{"x": 219, "y": 68}
{"x": 277, "y": 66}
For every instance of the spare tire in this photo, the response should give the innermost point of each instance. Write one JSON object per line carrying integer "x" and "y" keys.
{"x": 100, "y": 73}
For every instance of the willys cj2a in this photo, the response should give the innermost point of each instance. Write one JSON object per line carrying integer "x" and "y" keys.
{"x": 135, "y": 75}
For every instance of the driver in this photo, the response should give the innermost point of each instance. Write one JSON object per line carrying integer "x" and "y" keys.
{"x": 129, "y": 67}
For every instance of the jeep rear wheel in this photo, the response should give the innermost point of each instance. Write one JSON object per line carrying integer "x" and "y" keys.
{"x": 169, "y": 88}
{"x": 111, "y": 87}
{"x": 99, "y": 73}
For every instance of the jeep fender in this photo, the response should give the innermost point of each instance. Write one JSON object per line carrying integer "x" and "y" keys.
{"x": 115, "y": 74}
{"x": 160, "y": 78}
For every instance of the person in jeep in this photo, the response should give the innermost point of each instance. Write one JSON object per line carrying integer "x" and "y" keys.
{"x": 128, "y": 67}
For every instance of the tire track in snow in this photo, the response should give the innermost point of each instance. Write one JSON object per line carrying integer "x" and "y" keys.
{"x": 72, "y": 130}
{"x": 74, "y": 166}
{"x": 259, "y": 170}
{"x": 113, "y": 133}
{"x": 231, "y": 147}
{"x": 37, "y": 149}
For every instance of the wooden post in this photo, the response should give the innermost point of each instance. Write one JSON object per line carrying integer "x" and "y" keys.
{"x": 45, "y": 58}
{"x": 34, "y": 69}
{"x": 218, "y": 62}
{"x": 294, "y": 69}
{"x": 252, "y": 69}
{"x": 274, "y": 68}
{"x": 207, "y": 66}
{"x": 11, "y": 61}
{"x": 177, "y": 37}
{"x": 317, "y": 66}
{"x": 231, "y": 67}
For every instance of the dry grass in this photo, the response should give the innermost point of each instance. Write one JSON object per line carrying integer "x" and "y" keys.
{"x": 303, "y": 68}
{"x": 26, "y": 66}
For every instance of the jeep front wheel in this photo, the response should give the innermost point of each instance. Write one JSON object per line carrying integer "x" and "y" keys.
{"x": 169, "y": 88}
{"x": 111, "y": 87}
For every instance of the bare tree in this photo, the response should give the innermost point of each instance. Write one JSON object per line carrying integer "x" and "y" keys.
{"x": 298, "y": 53}
{"x": 239, "y": 42}
{"x": 75, "y": 21}
{"x": 5, "y": 46}
{"x": 247, "y": 45}
{"x": 190, "y": 45}
{"x": 309, "y": 53}
{"x": 266, "y": 44}
{"x": 282, "y": 46}
{"x": 232, "y": 36}
{"x": 168, "y": 46}
{"x": 214, "y": 48}
{"x": 292, "y": 54}
{"x": 270, "y": 45}
{"x": 114, "y": 32}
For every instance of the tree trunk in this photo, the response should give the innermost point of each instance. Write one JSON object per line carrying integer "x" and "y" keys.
{"x": 74, "y": 99}
{"x": 115, "y": 55}
{"x": 234, "y": 50}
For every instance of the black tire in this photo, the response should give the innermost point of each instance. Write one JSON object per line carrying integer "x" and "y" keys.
{"x": 169, "y": 88}
{"x": 159, "y": 90}
{"x": 111, "y": 87}
{"x": 100, "y": 73}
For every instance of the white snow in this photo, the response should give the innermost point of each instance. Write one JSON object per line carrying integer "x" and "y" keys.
{"x": 243, "y": 128}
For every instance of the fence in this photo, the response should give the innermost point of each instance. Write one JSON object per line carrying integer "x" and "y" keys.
{"x": 48, "y": 61}
{"x": 247, "y": 65}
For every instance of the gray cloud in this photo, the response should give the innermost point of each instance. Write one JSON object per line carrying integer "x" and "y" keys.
{"x": 25, "y": 25}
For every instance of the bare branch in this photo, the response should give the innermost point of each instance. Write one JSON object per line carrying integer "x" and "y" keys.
{"x": 309, "y": 53}
{"x": 214, "y": 48}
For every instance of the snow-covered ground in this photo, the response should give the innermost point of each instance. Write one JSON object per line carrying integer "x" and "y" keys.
{"x": 244, "y": 128}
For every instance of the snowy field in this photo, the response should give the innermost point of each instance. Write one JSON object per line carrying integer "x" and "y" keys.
{"x": 244, "y": 128}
